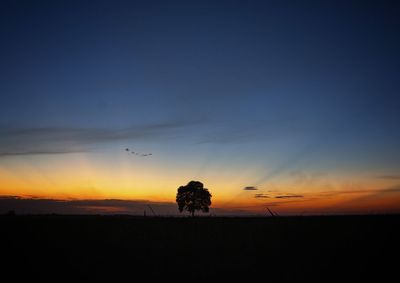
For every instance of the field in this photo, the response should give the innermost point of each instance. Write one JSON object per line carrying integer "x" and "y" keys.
{"x": 124, "y": 248}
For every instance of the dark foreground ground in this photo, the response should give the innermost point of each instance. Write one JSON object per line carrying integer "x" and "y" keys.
{"x": 119, "y": 248}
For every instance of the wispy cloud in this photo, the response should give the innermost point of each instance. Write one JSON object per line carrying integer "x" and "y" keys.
{"x": 62, "y": 140}
{"x": 371, "y": 201}
{"x": 289, "y": 196}
{"x": 277, "y": 195}
{"x": 34, "y": 205}
{"x": 395, "y": 189}
{"x": 38, "y": 152}
{"x": 40, "y": 206}
{"x": 250, "y": 188}
{"x": 261, "y": 196}
{"x": 389, "y": 177}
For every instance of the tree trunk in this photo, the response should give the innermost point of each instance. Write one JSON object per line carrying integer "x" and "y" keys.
{"x": 193, "y": 213}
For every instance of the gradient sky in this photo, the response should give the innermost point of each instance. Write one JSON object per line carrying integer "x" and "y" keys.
{"x": 296, "y": 100}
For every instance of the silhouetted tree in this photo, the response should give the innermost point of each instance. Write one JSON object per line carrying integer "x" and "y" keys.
{"x": 193, "y": 197}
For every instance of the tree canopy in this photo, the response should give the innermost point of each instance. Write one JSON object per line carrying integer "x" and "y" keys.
{"x": 193, "y": 197}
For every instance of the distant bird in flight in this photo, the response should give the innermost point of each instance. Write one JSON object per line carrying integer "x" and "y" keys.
{"x": 136, "y": 153}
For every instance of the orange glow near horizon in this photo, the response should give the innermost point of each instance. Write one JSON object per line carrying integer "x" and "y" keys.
{"x": 78, "y": 177}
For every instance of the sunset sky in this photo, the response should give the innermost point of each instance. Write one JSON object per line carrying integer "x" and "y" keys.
{"x": 291, "y": 105}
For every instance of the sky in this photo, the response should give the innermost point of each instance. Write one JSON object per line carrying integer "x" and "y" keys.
{"x": 291, "y": 105}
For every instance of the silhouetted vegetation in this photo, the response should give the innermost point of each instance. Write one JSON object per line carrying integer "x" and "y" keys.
{"x": 11, "y": 213}
{"x": 193, "y": 197}
{"x": 129, "y": 249}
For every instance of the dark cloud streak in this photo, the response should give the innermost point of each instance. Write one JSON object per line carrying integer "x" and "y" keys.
{"x": 290, "y": 196}
{"x": 63, "y": 140}
{"x": 104, "y": 206}
{"x": 250, "y": 188}
{"x": 22, "y": 153}
{"x": 35, "y": 205}
{"x": 261, "y": 196}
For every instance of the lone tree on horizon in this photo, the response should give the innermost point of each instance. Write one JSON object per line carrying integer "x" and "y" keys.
{"x": 193, "y": 197}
